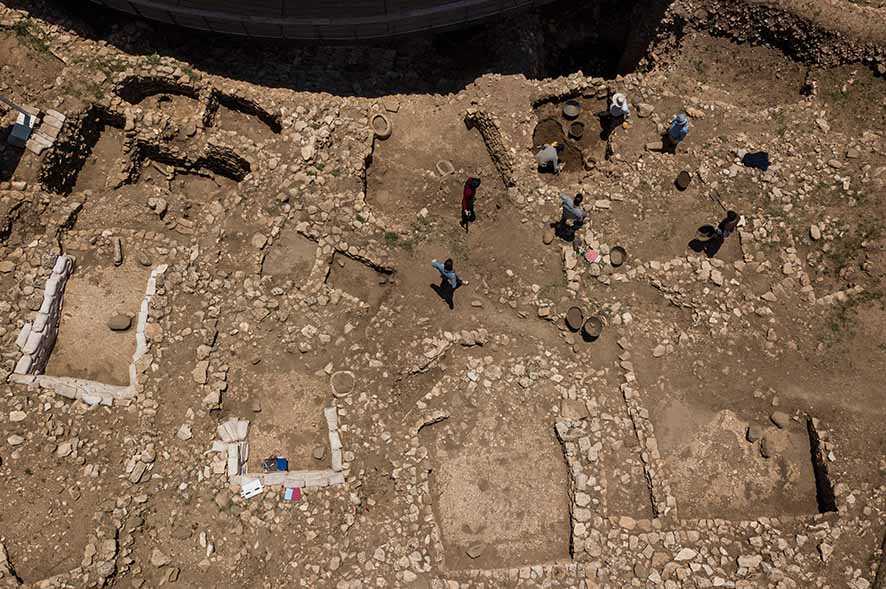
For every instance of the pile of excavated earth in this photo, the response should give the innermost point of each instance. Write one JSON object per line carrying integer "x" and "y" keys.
{"x": 226, "y": 363}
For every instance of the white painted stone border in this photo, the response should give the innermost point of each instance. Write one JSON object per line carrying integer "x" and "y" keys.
{"x": 40, "y": 342}
{"x": 36, "y": 339}
{"x": 233, "y": 444}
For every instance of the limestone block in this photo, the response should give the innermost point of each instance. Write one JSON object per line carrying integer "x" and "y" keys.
{"x": 334, "y": 441}
{"x": 274, "y": 478}
{"x": 227, "y": 432}
{"x": 293, "y": 480}
{"x": 317, "y": 482}
{"x": 23, "y": 366}
{"x": 233, "y": 460}
{"x": 336, "y": 460}
{"x": 23, "y": 336}
{"x": 337, "y": 478}
{"x": 49, "y": 304}
{"x": 40, "y": 322}
{"x": 66, "y": 390}
{"x": 35, "y": 339}
{"x": 331, "y": 415}
{"x": 89, "y": 398}
{"x": 62, "y": 265}
{"x": 53, "y": 285}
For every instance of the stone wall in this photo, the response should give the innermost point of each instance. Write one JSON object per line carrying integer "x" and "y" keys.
{"x": 489, "y": 129}
{"x": 36, "y": 338}
{"x": 232, "y": 450}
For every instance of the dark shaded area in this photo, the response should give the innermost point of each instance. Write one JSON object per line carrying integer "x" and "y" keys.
{"x": 880, "y": 579}
{"x": 248, "y": 107}
{"x": 555, "y": 39}
{"x": 136, "y": 88}
{"x": 757, "y": 159}
{"x": 10, "y": 157}
{"x": 215, "y": 158}
{"x": 824, "y": 488}
{"x": 446, "y": 292}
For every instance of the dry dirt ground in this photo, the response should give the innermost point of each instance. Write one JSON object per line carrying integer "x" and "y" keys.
{"x": 724, "y": 430}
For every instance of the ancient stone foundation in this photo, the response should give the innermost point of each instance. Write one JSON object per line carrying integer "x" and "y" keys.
{"x": 37, "y": 338}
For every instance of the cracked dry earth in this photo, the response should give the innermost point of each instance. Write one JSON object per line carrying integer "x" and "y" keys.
{"x": 264, "y": 262}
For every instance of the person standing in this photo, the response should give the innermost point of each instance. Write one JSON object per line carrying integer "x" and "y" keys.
{"x": 548, "y": 158}
{"x": 468, "y": 215}
{"x": 449, "y": 281}
{"x": 676, "y": 132}
{"x": 572, "y": 215}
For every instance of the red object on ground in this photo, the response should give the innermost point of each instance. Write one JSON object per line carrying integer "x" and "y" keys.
{"x": 470, "y": 193}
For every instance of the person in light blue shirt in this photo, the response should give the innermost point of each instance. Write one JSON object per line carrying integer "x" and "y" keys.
{"x": 449, "y": 281}
{"x": 676, "y": 132}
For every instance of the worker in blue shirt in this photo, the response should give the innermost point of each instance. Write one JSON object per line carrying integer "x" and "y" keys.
{"x": 449, "y": 281}
{"x": 676, "y": 132}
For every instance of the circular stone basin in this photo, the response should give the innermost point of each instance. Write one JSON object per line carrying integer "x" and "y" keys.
{"x": 342, "y": 383}
{"x": 683, "y": 180}
{"x": 381, "y": 126}
{"x": 574, "y": 318}
{"x": 571, "y": 109}
{"x": 445, "y": 167}
{"x": 592, "y": 328}
{"x": 576, "y": 130}
{"x": 617, "y": 256}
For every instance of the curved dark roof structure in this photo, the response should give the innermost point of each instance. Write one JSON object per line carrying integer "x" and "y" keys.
{"x": 318, "y": 19}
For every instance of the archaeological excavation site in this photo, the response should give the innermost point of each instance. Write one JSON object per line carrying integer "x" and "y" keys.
{"x": 443, "y": 294}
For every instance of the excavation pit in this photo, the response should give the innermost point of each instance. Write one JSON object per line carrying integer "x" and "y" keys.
{"x": 86, "y": 146}
{"x": 105, "y": 161}
{"x": 499, "y": 485}
{"x": 582, "y": 135}
{"x": 285, "y": 411}
{"x": 214, "y": 158}
{"x": 715, "y": 472}
{"x": 402, "y": 177}
{"x": 86, "y": 347}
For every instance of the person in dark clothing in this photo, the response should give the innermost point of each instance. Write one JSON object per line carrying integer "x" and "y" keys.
{"x": 449, "y": 281}
{"x": 709, "y": 239}
{"x": 468, "y": 215}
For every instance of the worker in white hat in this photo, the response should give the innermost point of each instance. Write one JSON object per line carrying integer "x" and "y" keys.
{"x": 619, "y": 108}
{"x": 615, "y": 115}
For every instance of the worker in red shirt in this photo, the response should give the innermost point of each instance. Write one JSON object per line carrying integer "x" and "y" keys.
{"x": 467, "y": 202}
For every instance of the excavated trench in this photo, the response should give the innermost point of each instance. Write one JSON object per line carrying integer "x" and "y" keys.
{"x": 244, "y": 106}
{"x": 78, "y": 137}
{"x": 135, "y": 89}
{"x": 214, "y": 158}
